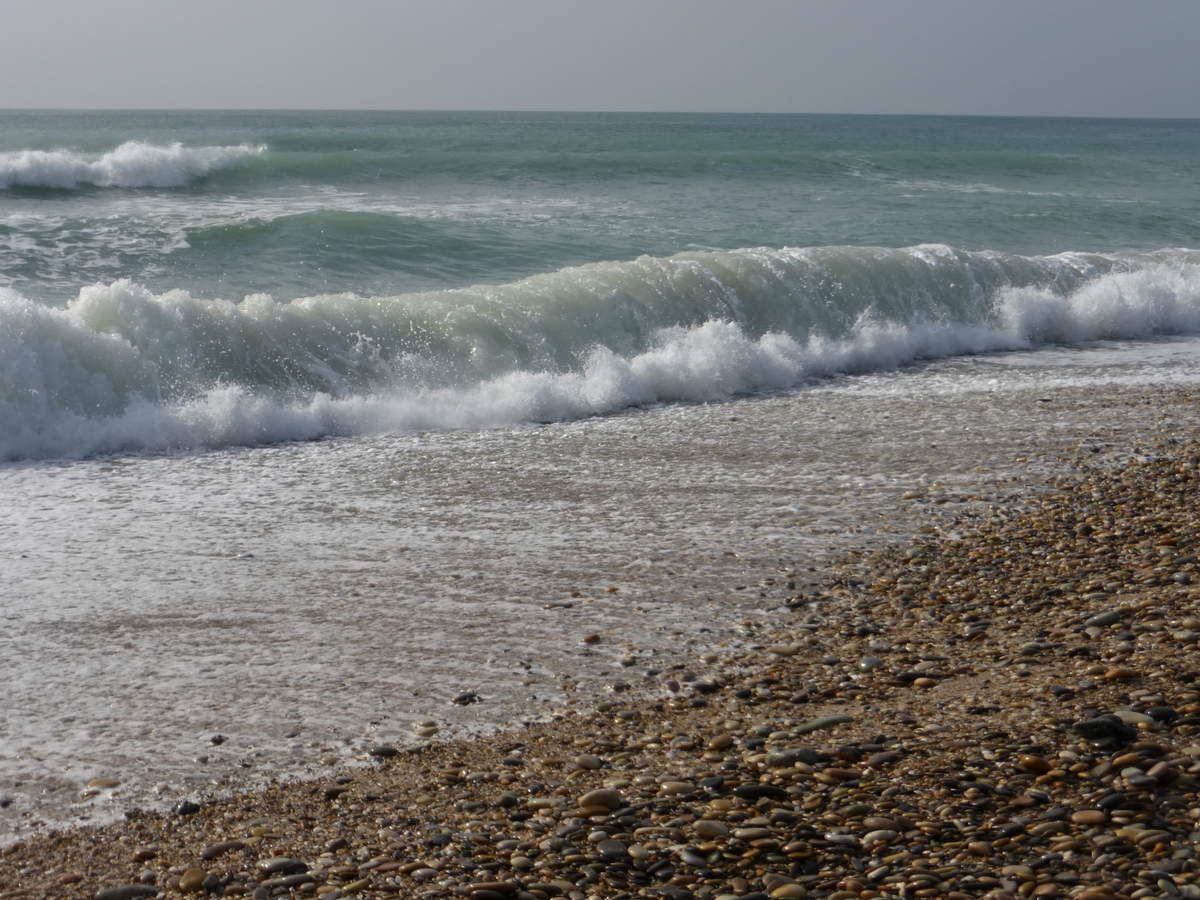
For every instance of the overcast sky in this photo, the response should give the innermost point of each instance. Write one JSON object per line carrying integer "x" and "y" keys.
{"x": 1035, "y": 57}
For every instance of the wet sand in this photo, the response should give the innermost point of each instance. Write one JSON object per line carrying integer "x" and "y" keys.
{"x": 1005, "y": 706}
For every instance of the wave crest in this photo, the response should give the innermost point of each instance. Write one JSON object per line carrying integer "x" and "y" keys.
{"x": 134, "y": 164}
{"x": 123, "y": 368}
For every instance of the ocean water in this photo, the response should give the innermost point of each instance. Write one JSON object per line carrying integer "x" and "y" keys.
{"x": 310, "y": 422}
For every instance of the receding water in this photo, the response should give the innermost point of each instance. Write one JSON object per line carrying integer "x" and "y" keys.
{"x": 306, "y": 600}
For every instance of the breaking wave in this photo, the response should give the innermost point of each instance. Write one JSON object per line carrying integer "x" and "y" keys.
{"x": 121, "y": 368}
{"x": 134, "y": 164}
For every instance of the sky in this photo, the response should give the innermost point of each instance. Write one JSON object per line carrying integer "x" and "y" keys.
{"x": 990, "y": 57}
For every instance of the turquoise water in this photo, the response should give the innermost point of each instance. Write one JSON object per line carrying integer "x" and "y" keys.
{"x": 267, "y": 380}
{"x": 199, "y": 279}
{"x": 385, "y": 203}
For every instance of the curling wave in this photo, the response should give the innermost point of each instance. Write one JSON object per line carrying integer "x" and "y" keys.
{"x": 121, "y": 368}
{"x": 134, "y": 164}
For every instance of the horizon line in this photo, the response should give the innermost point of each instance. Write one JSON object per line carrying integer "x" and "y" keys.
{"x": 642, "y": 112}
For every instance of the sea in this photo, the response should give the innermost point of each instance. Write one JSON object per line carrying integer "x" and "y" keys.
{"x": 325, "y": 430}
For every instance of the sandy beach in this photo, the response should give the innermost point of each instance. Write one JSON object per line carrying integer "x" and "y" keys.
{"x": 1004, "y": 707}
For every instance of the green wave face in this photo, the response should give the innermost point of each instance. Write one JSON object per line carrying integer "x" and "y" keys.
{"x": 199, "y": 279}
{"x": 121, "y": 367}
{"x": 295, "y": 204}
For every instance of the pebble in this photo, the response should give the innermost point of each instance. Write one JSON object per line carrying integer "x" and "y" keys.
{"x": 612, "y": 850}
{"x": 282, "y": 865}
{"x": 1002, "y": 789}
{"x": 192, "y": 880}
{"x": 1035, "y": 764}
{"x": 126, "y": 892}
{"x": 709, "y": 829}
{"x": 788, "y": 891}
{"x": 604, "y": 798}
{"x": 1108, "y": 617}
{"x": 821, "y": 724}
{"x": 784, "y": 650}
{"x": 212, "y": 851}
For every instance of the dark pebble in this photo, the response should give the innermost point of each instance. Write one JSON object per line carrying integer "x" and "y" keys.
{"x": 1115, "y": 800}
{"x": 282, "y": 865}
{"x": 758, "y": 791}
{"x": 1106, "y": 728}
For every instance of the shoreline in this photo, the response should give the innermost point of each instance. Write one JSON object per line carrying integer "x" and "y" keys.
{"x": 1009, "y": 710}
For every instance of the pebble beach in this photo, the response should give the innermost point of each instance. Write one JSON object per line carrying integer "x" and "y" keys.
{"x": 1004, "y": 706}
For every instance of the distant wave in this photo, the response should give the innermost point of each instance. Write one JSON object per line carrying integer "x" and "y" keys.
{"x": 134, "y": 164}
{"x": 121, "y": 368}
{"x": 137, "y": 164}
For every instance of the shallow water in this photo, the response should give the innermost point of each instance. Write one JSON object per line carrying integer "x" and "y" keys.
{"x": 306, "y": 600}
{"x": 268, "y": 467}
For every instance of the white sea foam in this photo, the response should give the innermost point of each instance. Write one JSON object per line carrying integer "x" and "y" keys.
{"x": 122, "y": 368}
{"x": 134, "y": 164}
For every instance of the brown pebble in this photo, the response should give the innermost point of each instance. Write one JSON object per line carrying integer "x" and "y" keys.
{"x": 192, "y": 880}
{"x": 604, "y": 798}
{"x": 1034, "y": 764}
{"x": 212, "y": 851}
{"x": 1118, "y": 673}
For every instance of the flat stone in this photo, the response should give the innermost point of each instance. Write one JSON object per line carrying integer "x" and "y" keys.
{"x": 879, "y": 836}
{"x": 612, "y": 850}
{"x": 126, "y": 892}
{"x": 821, "y": 724}
{"x": 779, "y": 759}
{"x": 1108, "y": 617}
{"x": 758, "y": 791}
{"x": 192, "y": 880}
{"x": 606, "y": 798}
{"x": 288, "y": 881}
{"x": 751, "y": 834}
{"x": 496, "y": 887}
{"x": 784, "y": 649}
{"x": 282, "y": 865}
{"x": 1131, "y": 717}
{"x": 709, "y": 829}
{"x": 212, "y": 851}
{"x": 788, "y": 892}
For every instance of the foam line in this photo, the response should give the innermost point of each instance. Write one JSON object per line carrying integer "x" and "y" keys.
{"x": 121, "y": 368}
